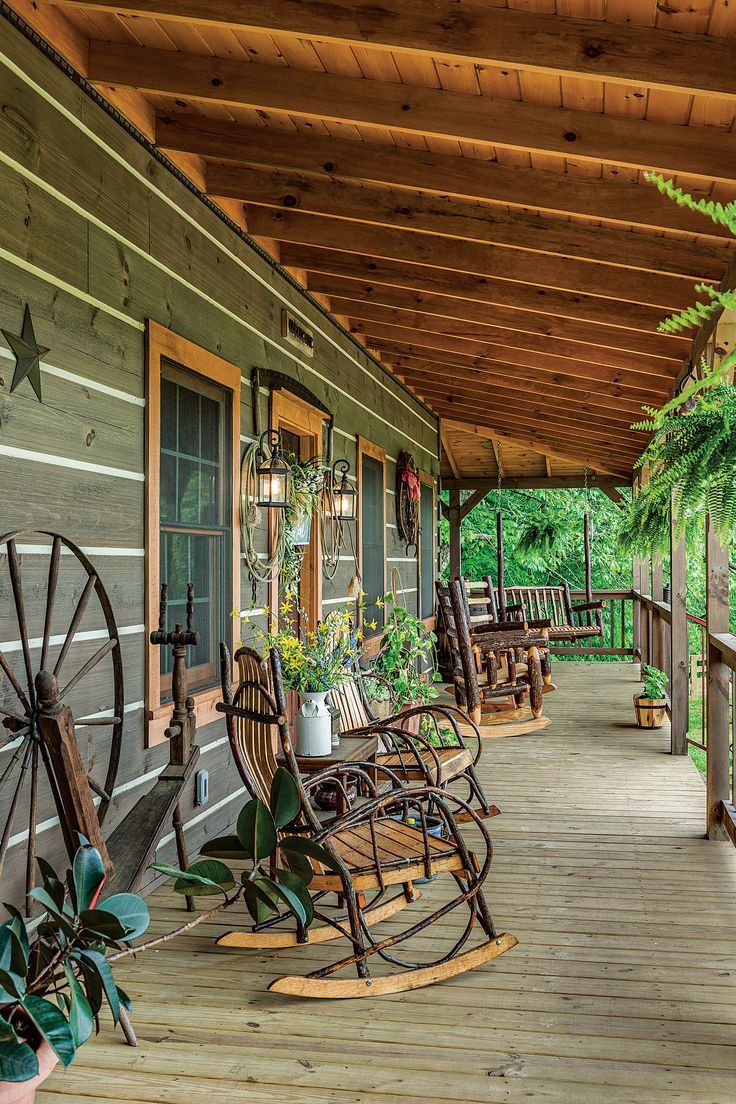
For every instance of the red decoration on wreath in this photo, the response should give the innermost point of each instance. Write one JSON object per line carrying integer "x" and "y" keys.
{"x": 407, "y": 500}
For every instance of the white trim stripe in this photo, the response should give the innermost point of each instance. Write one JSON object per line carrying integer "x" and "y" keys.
{"x": 203, "y": 816}
{"x": 337, "y": 601}
{"x": 44, "y": 549}
{"x": 88, "y": 634}
{"x": 15, "y": 453}
{"x": 83, "y": 381}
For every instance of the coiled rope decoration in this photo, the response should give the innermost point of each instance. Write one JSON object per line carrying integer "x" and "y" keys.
{"x": 259, "y": 570}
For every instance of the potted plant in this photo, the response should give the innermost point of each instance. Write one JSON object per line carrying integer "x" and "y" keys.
{"x": 651, "y": 703}
{"x": 313, "y": 662}
{"x": 407, "y": 646}
{"x": 54, "y": 982}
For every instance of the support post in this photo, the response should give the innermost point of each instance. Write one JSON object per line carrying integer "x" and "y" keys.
{"x": 719, "y": 682}
{"x": 679, "y": 673}
{"x": 645, "y": 620}
{"x": 657, "y": 641}
{"x": 455, "y": 543}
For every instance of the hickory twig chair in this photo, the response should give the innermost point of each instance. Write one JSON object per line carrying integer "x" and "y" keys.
{"x": 471, "y": 693}
{"x": 438, "y": 754}
{"x": 372, "y": 848}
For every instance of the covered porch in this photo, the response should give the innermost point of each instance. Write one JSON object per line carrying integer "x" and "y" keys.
{"x": 622, "y": 987}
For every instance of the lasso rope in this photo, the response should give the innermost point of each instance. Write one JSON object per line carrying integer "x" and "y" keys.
{"x": 259, "y": 570}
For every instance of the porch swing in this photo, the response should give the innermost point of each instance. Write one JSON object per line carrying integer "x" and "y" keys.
{"x": 547, "y": 607}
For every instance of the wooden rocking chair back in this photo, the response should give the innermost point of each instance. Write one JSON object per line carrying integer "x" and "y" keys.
{"x": 551, "y": 606}
{"x": 254, "y": 742}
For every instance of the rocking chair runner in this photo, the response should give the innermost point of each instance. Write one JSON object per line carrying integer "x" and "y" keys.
{"x": 445, "y": 759}
{"x": 372, "y": 847}
{"x": 470, "y": 693}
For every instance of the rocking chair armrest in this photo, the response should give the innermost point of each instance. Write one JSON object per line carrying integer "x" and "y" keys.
{"x": 414, "y": 744}
{"x": 541, "y": 623}
{"x": 360, "y": 768}
{"x": 450, "y": 712}
{"x": 497, "y": 626}
{"x": 585, "y": 607}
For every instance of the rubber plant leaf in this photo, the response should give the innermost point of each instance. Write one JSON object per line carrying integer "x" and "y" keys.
{"x": 81, "y": 1018}
{"x": 52, "y": 1025}
{"x": 18, "y": 1062}
{"x": 223, "y": 847}
{"x": 256, "y": 830}
{"x": 88, "y": 871}
{"x": 130, "y": 910}
{"x": 96, "y": 964}
{"x": 293, "y": 883}
{"x": 284, "y": 799}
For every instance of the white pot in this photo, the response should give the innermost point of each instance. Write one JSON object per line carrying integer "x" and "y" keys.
{"x": 313, "y": 726}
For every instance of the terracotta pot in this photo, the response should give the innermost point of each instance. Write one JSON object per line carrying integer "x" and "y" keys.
{"x": 650, "y": 712}
{"x": 24, "y": 1092}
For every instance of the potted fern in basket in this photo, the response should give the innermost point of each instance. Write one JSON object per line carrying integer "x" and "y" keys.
{"x": 651, "y": 701}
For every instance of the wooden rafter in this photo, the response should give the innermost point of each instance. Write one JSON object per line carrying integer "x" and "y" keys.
{"x": 365, "y": 315}
{"x": 512, "y": 124}
{"x": 517, "y": 323}
{"x": 444, "y": 174}
{"x": 475, "y": 258}
{"x": 418, "y": 346}
{"x": 501, "y": 292}
{"x": 449, "y": 451}
{"x": 479, "y": 34}
{"x": 465, "y": 220}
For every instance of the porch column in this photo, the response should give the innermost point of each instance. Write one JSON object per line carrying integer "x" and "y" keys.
{"x": 636, "y": 577}
{"x": 719, "y": 679}
{"x": 679, "y": 672}
{"x": 455, "y": 544}
{"x": 656, "y": 643}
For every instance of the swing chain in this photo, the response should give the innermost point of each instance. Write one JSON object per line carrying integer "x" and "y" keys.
{"x": 498, "y": 486}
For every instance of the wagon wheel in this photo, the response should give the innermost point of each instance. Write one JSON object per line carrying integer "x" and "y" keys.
{"x": 23, "y": 752}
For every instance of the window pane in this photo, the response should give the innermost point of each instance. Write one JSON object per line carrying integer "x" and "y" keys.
{"x": 168, "y": 488}
{"x": 168, "y": 414}
{"x": 210, "y": 413}
{"x": 426, "y": 584}
{"x": 372, "y": 535}
{"x": 188, "y": 421}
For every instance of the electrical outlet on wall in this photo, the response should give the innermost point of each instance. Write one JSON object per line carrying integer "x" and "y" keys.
{"x": 202, "y": 787}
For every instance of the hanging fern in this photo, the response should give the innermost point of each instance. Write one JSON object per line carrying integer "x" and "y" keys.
{"x": 541, "y": 539}
{"x": 692, "y": 459}
{"x": 723, "y": 215}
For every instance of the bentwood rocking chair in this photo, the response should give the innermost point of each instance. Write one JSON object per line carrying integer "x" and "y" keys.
{"x": 373, "y": 848}
{"x": 434, "y": 750}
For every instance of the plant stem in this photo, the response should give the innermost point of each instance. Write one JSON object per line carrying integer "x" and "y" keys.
{"x": 177, "y": 931}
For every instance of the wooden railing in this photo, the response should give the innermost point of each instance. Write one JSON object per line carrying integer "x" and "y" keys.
{"x": 719, "y": 732}
{"x": 618, "y": 625}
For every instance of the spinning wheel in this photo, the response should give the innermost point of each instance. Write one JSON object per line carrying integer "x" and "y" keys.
{"x": 55, "y": 618}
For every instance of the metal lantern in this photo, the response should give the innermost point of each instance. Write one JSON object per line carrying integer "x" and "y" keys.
{"x": 343, "y": 496}
{"x": 273, "y": 473}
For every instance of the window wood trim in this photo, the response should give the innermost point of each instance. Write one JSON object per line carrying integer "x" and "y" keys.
{"x": 163, "y": 344}
{"x": 429, "y": 481}
{"x": 364, "y": 447}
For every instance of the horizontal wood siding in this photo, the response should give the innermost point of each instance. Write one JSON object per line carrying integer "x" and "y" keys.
{"x": 97, "y": 236}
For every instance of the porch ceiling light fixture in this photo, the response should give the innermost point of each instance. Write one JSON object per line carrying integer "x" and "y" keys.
{"x": 273, "y": 473}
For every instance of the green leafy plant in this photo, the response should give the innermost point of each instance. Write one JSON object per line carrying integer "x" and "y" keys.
{"x": 264, "y": 890}
{"x": 691, "y": 458}
{"x": 407, "y": 645}
{"x": 655, "y": 683}
{"x": 305, "y": 501}
{"x": 67, "y": 959}
{"x": 316, "y": 660}
{"x": 541, "y": 538}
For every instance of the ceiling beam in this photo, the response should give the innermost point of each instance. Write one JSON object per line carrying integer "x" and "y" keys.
{"x": 480, "y": 382}
{"x": 496, "y": 262}
{"x": 502, "y": 292}
{"x": 476, "y": 35}
{"x": 364, "y": 315}
{"x": 411, "y": 356}
{"x": 573, "y": 455}
{"x": 513, "y": 320}
{"x": 476, "y": 177}
{"x": 576, "y": 425}
{"x": 708, "y": 152}
{"x": 457, "y": 218}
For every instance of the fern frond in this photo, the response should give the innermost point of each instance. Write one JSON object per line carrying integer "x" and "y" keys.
{"x": 717, "y": 212}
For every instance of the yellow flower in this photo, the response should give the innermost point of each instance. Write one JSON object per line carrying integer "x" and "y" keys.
{"x": 373, "y": 624}
{"x": 379, "y": 603}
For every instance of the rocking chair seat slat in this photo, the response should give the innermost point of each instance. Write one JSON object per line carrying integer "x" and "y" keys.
{"x": 400, "y": 850}
{"x": 453, "y": 761}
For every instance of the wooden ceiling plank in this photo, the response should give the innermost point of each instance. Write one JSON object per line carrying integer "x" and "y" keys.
{"x": 512, "y": 320}
{"x": 506, "y": 293}
{"x": 479, "y": 35}
{"x": 364, "y": 315}
{"x": 615, "y": 200}
{"x": 474, "y": 258}
{"x": 512, "y": 124}
{"x": 455, "y": 218}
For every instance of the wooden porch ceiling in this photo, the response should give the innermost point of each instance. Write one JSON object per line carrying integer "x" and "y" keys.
{"x": 460, "y": 183}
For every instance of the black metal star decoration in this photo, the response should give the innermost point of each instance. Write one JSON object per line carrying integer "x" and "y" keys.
{"x": 28, "y": 355}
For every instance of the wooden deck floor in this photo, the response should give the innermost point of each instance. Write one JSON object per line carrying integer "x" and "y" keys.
{"x": 622, "y": 988}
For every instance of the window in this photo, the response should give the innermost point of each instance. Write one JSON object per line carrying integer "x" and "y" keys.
{"x": 372, "y": 516}
{"x": 195, "y": 523}
{"x": 193, "y": 451}
{"x": 426, "y": 546}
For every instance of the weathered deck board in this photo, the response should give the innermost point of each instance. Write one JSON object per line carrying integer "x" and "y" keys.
{"x": 622, "y": 989}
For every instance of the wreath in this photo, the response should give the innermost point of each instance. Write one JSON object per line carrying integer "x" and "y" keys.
{"x": 407, "y": 500}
